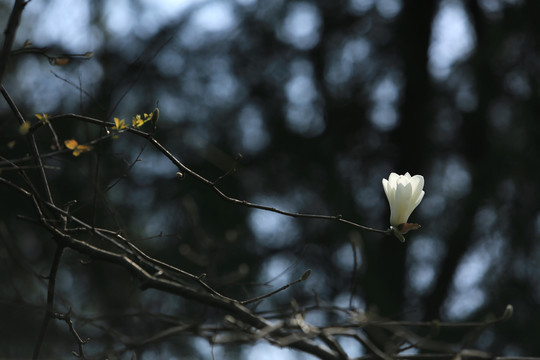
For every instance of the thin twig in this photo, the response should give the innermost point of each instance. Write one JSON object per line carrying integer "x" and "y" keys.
{"x": 80, "y": 342}
{"x": 124, "y": 175}
{"x": 305, "y": 276}
{"x": 137, "y": 77}
{"x": 30, "y": 167}
{"x": 33, "y": 144}
{"x": 81, "y": 90}
{"x": 49, "y": 314}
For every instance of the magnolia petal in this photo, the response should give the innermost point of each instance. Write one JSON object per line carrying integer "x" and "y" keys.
{"x": 392, "y": 179}
{"x": 417, "y": 182}
{"x": 385, "y": 185}
{"x": 400, "y": 207}
{"x": 418, "y": 201}
{"x": 386, "y": 189}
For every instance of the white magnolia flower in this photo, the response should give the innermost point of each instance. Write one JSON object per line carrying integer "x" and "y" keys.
{"x": 404, "y": 193}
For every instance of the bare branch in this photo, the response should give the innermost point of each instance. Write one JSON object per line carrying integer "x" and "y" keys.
{"x": 9, "y": 32}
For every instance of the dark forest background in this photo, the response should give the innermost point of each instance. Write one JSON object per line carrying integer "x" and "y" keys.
{"x": 322, "y": 99}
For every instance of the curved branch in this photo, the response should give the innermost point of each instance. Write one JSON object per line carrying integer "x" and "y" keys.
{"x": 211, "y": 184}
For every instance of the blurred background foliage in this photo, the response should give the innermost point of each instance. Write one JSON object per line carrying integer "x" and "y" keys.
{"x": 322, "y": 99}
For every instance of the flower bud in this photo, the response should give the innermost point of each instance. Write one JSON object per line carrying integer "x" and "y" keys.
{"x": 404, "y": 193}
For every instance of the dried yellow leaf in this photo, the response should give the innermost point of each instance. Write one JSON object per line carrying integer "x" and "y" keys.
{"x": 71, "y": 144}
{"x": 84, "y": 148}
